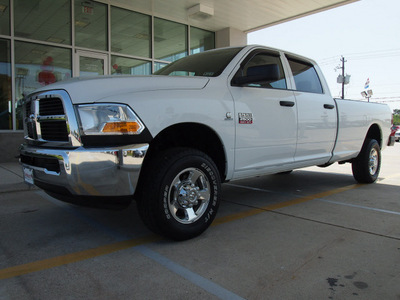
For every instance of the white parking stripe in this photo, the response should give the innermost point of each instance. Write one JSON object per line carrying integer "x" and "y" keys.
{"x": 360, "y": 206}
{"x": 194, "y": 278}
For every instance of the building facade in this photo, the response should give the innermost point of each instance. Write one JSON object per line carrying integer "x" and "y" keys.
{"x": 46, "y": 41}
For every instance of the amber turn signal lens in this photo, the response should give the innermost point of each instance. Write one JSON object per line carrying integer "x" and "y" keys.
{"x": 121, "y": 127}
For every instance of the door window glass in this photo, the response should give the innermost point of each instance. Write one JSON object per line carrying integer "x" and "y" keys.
{"x": 305, "y": 77}
{"x": 5, "y": 86}
{"x": 5, "y": 17}
{"x": 201, "y": 40}
{"x": 129, "y": 66}
{"x": 45, "y": 20}
{"x": 170, "y": 40}
{"x": 263, "y": 70}
{"x": 130, "y": 32}
{"x": 91, "y": 25}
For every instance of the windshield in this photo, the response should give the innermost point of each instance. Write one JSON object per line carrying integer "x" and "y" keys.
{"x": 209, "y": 63}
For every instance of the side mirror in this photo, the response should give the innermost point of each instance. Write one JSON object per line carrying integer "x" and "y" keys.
{"x": 257, "y": 74}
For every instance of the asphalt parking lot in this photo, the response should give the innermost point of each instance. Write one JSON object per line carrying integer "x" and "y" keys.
{"x": 312, "y": 234}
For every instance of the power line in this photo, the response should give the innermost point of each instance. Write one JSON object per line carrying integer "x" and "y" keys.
{"x": 362, "y": 55}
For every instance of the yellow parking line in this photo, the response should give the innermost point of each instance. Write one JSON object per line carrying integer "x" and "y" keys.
{"x": 73, "y": 257}
{"x": 110, "y": 248}
{"x": 276, "y": 206}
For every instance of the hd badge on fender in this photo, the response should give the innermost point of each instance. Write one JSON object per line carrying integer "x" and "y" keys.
{"x": 245, "y": 118}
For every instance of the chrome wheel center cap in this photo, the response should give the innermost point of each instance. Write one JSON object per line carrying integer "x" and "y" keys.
{"x": 188, "y": 195}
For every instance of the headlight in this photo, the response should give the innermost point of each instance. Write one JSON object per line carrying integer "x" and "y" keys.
{"x": 108, "y": 119}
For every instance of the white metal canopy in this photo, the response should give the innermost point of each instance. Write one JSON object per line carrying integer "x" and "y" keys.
{"x": 244, "y": 15}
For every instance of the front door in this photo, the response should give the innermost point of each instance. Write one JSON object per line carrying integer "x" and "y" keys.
{"x": 88, "y": 64}
{"x": 266, "y": 112}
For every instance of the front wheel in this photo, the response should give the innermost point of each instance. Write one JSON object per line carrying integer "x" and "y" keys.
{"x": 180, "y": 195}
{"x": 367, "y": 165}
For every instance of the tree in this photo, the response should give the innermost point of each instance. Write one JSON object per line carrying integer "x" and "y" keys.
{"x": 396, "y": 117}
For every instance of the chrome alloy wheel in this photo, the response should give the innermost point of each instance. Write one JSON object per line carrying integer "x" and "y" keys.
{"x": 189, "y": 195}
{"x": 373, "y": 161}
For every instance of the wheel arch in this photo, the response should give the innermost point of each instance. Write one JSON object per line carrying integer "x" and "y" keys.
{"x": 375, "y": 132}
{"x": 189, "y": 135}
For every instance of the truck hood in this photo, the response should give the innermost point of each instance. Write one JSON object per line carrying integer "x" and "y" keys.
{"x": 83, "y": 90}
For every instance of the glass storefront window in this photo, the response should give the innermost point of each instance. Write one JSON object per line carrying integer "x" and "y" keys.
{"x": 170, "y": 40}
{"x": 5, "y": 86}
{"x": 45, "y": 20}
{"x": 124, "y": 41}
{"x": 130, "y": 32}
{"x": 159, "y": 66}
{"x": 90, "y": 66}
{"x": 201, "y": 40}
{"x": 36, "y": 66}
{"x": 91, "y": 25}
{"x": 5, "y": 17}
{"x": 129, "y": 66}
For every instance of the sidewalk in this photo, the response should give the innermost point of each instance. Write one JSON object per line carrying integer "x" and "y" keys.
{"x": 11, "y": 178}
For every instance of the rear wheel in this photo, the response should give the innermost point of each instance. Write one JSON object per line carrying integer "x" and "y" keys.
{"x": 180, "y": 195}
{"x": 367, "y": 165}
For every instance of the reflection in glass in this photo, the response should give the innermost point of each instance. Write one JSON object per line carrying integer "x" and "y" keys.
{"x": 208, "y": 64}
{"x": 5, "y": 85}
{"x": 305, "y": 77}
{"x": 91, "y": 25}
{"x": 269, "y": 67}
{"x": 4, "y": 17}
{"x": 89, "y": 66}
{"x": 129, "y": 66}
{"x": 158, "y": 66}
{"x": 45, "y": 20}
{"x": 201, "y": 40}
{"x": 170, "y": 40}
{"x": 38, "y": 65}
{"x": 130, "y": 32}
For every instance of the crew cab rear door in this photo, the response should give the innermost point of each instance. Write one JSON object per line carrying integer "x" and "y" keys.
{"x": 265, "y": 115}
{"x": 317, "y": 113}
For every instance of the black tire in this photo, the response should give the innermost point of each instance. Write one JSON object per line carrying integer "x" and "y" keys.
{"x": 180, "y": 195}
{"x": 367, "y": 165}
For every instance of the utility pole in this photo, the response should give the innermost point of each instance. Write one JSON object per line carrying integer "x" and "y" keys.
{"x": 343, "y": 61}
{"x": 342, "y": 78}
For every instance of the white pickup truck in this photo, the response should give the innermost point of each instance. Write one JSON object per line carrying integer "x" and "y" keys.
{"x": 169, "y": 140}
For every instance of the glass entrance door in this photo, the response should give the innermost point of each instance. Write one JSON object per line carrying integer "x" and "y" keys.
{"x": 91, "y": 64}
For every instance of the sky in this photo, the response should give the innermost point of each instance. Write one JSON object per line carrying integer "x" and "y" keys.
{"x": 366, "y": 33}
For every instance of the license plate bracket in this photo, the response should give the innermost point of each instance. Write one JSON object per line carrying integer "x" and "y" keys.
{"x": 28, "y": 175}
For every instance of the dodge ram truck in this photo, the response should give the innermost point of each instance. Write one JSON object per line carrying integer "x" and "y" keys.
{"x": 169, "y": 140}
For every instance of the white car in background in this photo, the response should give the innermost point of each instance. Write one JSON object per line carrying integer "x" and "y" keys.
{"x": 397, "y": 134}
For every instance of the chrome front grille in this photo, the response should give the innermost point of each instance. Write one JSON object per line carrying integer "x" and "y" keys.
{"x": 49, "y": 117}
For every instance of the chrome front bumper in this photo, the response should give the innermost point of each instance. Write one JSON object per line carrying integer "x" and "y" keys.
{"x": 104, "y": 172}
